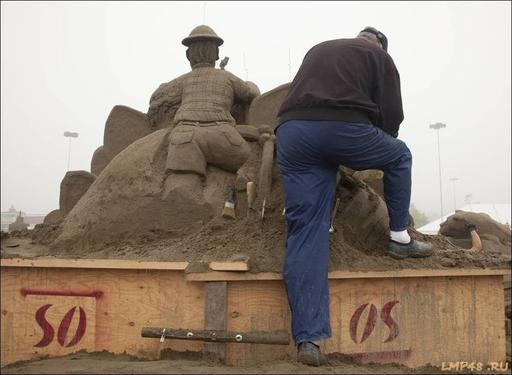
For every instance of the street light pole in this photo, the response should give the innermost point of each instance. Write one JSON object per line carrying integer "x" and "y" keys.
{"x": 454, "y": 180}
{"x": 437, "y": 126}
{"x": 70, "y": 135}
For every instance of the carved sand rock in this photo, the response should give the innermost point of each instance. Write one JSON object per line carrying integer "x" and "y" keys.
{"x": 124, "y": 125}
{"x": 72, "y": 188}
{"x": 264, "y": 108}
{"x": 53, "y": 217}
{"x": 494, "y": 235}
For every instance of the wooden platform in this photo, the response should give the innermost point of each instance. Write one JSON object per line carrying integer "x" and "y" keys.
{"x": 52, "y": 307}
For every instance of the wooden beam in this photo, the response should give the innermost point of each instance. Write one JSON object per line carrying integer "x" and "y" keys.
{"x": 93, "y": 263}
{"x": 215, "y": 311}
{"x": 334, "y": 275}
{"x": 236, "y": 276}
{"x": 419, "y": 273}
{"x": 216, "y": 337}
{"x": 229, "y": 266}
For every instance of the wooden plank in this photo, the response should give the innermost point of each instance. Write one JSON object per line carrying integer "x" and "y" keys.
{"x": 238, "y": 265}
{"x": 232, "y": 276}
{"x": 258, "y": 306}
{"x": 249, "y": 276}
{"x": 420, "y": 273}
{"x": 93, "y": 263}
{"x": 229, "y": 266}
{"x": 215, "y": 305}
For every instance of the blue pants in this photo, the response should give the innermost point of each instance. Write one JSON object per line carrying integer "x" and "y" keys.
{"x": 308, "y": 155}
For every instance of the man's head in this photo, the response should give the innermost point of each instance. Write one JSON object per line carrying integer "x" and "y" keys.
{"x": 374, "y": 36}
{"x": 203, "y": 46}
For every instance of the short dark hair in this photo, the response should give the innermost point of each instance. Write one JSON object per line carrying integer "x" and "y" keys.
{"x": 380, "y": 36}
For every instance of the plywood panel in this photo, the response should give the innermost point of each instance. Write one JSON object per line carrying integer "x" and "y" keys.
{"x": 414, "y": 321}
{"x": 126, "y": 301}
{"x": 418, "y": 321}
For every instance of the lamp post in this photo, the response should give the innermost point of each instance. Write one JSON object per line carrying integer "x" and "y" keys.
{"x": 70, "y": 135}
{"x": 437, "y": 126}
{"x": 454, "y": 180}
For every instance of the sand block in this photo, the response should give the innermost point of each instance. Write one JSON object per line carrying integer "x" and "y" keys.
{"x": 53, "y": 217}
{"x": 100, "y": 158}
{"x": 123, "y": 127}
{"x": 72, "y": 188}
{"x": 264, "y": 108}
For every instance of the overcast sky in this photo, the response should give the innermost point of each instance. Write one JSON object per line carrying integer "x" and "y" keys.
{"x": 66, "y": 64}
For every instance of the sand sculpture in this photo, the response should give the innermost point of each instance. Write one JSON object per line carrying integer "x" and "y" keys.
{"x": 161, "y": 184}
{"x": 494, "y": 235}
{"x": 193, "y": 120}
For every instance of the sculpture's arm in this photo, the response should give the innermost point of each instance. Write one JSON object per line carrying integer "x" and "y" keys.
{"x": 164, "y": 102}
{"x": 245, "y": 91}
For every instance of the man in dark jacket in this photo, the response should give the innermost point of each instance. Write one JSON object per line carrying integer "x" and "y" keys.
{"x": 344, "y": 107}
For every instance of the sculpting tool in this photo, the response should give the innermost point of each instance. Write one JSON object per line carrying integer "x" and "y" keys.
{"x": 331, "y": 229}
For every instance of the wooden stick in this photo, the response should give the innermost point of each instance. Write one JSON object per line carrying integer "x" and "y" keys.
{"x": 271, "y": 338}
{"x": 251, "y": 194}
{"x": 265, "y": 180}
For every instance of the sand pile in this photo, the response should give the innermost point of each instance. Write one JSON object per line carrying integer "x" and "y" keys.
{"x": 358, "y": 243}
{"x": 136, "y": 210}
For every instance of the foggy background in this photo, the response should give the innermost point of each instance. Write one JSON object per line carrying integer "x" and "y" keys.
{"x": 65, "y": 65}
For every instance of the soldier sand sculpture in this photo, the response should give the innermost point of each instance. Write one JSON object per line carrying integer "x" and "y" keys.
{"x": 197, "y": 105}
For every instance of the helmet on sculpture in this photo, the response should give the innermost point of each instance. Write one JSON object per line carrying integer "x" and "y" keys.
{"x": 201, "y": 33}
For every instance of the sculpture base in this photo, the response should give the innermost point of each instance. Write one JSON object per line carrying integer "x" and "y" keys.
{"x": 52, "y": 307}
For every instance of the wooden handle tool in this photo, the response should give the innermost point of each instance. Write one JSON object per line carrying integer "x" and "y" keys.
{"x": 251, "y": 195}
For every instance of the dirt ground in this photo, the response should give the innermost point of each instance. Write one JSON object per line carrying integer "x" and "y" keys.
{"x": 106, "y": 363}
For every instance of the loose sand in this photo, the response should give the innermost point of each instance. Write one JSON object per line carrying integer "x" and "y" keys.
{"x": 106, "y": 363}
